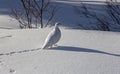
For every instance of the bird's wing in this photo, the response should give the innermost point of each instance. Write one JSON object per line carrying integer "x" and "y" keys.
{"x": 49, "y": 39}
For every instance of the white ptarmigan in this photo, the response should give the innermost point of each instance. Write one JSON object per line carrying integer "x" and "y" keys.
{"x": 53, "y": 37}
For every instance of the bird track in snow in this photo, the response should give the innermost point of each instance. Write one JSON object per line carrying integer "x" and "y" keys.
{"x": 16, "y": 52}
{"x": 5, "y": 36}
{"x": 4, "y": 65}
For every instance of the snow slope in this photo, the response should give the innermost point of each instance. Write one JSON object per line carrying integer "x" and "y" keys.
{"x": 78, "y": 52}
{"x": 66, "y": 12}
{"x": 6, "y": 22}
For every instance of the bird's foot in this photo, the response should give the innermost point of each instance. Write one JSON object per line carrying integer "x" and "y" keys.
{"x": 55, "y": 45}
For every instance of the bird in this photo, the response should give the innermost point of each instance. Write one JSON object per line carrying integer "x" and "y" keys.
{"x": 53, "y": 37}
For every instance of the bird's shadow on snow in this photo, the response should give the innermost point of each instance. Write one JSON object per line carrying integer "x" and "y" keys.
{"x": 77, "y": 49}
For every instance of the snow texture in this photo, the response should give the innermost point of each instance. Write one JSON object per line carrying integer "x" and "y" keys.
{"x": 78, "y": 51}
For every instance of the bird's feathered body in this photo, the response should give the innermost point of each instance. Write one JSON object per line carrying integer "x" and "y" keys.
{"x": 53, "y": 37}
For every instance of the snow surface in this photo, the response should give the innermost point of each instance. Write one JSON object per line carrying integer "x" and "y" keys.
{"x": 7, "y": 22}
{"x": 78, "y": 51}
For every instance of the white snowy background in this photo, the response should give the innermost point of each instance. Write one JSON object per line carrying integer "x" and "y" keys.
{"x": 78, "y": 51}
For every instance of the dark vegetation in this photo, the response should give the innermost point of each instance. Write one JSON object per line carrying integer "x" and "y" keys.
{"x": 32, "y": 12}
{"x": 107, "y": 21}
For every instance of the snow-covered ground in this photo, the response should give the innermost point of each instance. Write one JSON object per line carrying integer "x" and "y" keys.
{"x": 7, "y": 22}
{"x": 78, "y": 51}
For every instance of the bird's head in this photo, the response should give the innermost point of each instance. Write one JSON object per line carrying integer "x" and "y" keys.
{"x": 57, "y": 24}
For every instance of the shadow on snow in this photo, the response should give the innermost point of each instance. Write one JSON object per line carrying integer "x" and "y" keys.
{"x": 63, "y": 48}
{"x": 77, "y": 49}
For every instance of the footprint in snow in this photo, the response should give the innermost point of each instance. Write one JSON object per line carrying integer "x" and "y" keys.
{"x": 1, "y": 63}
{"x": 12, "y": 71}
{"x": 5, "y": 36}
{"x": 4, "y": 65}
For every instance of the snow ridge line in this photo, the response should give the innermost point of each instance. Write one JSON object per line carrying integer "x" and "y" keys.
{"x": 15, "y": 52}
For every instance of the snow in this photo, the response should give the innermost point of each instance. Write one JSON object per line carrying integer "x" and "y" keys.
{"x": 78, "y": 51}
{"x": 8, "y": 23}
{"x": 72, "y": 18}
